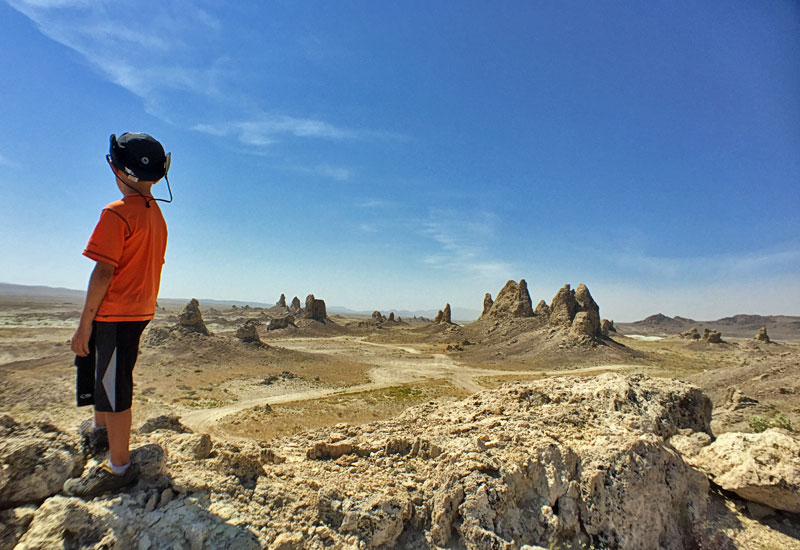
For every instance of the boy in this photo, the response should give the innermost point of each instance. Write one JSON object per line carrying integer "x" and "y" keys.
{"x": 128, "y": 245}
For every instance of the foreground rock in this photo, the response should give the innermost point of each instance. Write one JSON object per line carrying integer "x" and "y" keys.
{"x": 562, "y": 463}
{"x": 35, "y": 461}
{"x": 763, "y": 467}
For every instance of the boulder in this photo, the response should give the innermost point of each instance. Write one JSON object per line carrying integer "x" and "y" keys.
{"x": 248, "y": 332}
{"x": 281, "y": 322}
{"x": 487, "y": 304}
{"x": 166, "y": 422}
{"x": 512, "y": 301}
{"x": 563, "y": 307}
{"x": 315, "y": 309}
{"x": 763, "y": 467}
{"x": 712, "y": 336}
{"x": 762, "y": 336}
{"x": 191, "y": 319}
{"x": 35, "y": 460}
{"x": 607, "y": 327}
{"x": 281, "y": 301}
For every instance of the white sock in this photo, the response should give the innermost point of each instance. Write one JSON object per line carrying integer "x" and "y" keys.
{"x": 119, "y": 470}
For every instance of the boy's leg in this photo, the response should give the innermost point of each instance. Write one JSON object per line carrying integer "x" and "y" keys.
{"x": 119, "y": 436}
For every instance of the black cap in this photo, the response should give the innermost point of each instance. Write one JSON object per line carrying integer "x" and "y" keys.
{"x": 139, "y": 155}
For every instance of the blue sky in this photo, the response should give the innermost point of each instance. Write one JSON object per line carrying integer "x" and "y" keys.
{"x": 402, "y": 155}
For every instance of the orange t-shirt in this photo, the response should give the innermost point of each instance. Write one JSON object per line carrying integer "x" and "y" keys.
{"x": 132, "y": 238}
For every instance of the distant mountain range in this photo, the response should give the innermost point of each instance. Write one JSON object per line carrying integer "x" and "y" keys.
{"x": 38, "y": 293}
{"x": 779, "y": 327}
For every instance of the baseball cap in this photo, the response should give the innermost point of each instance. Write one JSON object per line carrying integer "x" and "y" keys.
{"x": 139, "y": 155}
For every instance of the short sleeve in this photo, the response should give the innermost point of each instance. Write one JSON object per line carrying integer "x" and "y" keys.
{"x": 108, "y": 237}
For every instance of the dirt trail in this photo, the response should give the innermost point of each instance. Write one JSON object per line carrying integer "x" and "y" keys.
{"x": 393, "y": 365}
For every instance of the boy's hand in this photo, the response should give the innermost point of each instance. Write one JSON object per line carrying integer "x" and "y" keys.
{"x": 80, "y": 340}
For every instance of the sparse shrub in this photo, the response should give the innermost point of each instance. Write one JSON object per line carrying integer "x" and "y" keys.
{"x": 758, "y": 423}
{"x": 780, "y": 421}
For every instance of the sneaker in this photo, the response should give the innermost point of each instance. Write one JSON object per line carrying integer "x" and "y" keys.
{"x": 95, "y": 439}
{"x": 99, "y": 480}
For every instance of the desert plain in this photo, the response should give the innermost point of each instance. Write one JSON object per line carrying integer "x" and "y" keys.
{"x": 284, "y": 378}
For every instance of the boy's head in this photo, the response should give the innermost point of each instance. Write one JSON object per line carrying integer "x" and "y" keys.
{"x": 138, "y": 158}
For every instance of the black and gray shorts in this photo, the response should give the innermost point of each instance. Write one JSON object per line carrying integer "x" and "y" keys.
{"x": 105, "y": 376}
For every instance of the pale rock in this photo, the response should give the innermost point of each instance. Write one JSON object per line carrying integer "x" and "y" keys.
{"x": 281, "y": 301}
{"x": 151, "y": 459}
{"x": 762, "y": 336}
{"x": 315, "y": 309}
{"x": 248, "y": 332}
{"x": 281, "y": 322}
{"x": 191, "y": 319}
{"x": 35, "y": 460}
{"x": 563, "y": 307}
{"x": 542, "y": 310}
{"x": 763, "y": 467}
{"x": 288, "y": 541}
{"x": 487, "y": 304}
{"x": 512, "y": 301}
{"x": 295, "y": 307}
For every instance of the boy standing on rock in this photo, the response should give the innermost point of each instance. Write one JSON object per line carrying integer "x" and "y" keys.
{"x": 128, "y": 245}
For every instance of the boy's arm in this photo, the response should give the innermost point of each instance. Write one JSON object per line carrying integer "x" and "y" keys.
{"x": 98, "y": 285}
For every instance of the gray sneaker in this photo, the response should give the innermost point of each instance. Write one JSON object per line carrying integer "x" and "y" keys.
{"x": 95, "y": 440}
{"x": 99, "y": 480}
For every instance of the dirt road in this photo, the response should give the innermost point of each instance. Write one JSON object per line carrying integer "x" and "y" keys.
{"x": 394, "y": 365}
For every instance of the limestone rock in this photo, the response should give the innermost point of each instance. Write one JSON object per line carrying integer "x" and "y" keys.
{"x": 35, "y": 461}
{"x": 281, "y": 301}
{"x": 513, "y": 300}
{"x": 542, "y": 310}
{"x": 563, "y": 307}
{"x": 735, "y": 400}
{"x": 167, "y": 422}
{"x": 191, "y": 319}
{"x": 591, "y": 324}
{"x": 762, "y": 336}
{"x": 438, "y": 318}
{"x": 315, "y": 309}
{"x": 151, "y": 460}
{"x": 584, "y": 324}
{"x": 377, "y": 316}
{"x": 763, "y": 467}
{"x": 712, "y": 336}
{"x": 248, "y": 332}
{"x": 487, "y": 304}
{"x": 295, "y": 307}
{"x": 446, "y": 314}
{"x": 391, "y": 318}
{"x": 607, "y": 327}
{"x": 281, "y": 322}
{"x": 691, "y": 334}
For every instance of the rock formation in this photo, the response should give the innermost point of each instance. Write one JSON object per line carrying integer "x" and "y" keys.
{"x": 315, "y": 309}
{"x": 607, "y": 327}
{"x": 378, "y": 317}
{"x": 591, "y": 323}
{"x": 563, "y": 307}
{"x": 499, "y": 470}
{"x": 446, "y": 315}
{"x": 295, "y": 307}
{"x": 281, "y": 322}
{"x": 281, "y": 301}
{"x": 763, "y": 467}
{"x": 690, "y": 334}
{"x": 391, "y": 317}
{"x": 438, "y": 318}
{"x": 762, "y": 336}
{"x": 712, "y": 336}
{"x": 191, "y": 319}
{"x": 487, "y": 304}
{"x": 248, "y": 332}
{"x": 512, "y": 301}
{"x": 542, "y": 310}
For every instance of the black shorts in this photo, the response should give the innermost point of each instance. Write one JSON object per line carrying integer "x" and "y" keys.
{"x": 105, "y": 376}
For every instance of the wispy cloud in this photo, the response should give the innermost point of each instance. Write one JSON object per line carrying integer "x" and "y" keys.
{"x": 266, "y": 129}
{"x": 375, "y": 203}
{"x": 463, "y": 240}
{"x": 720, "y": 266}
{"x": 7, "y": 162}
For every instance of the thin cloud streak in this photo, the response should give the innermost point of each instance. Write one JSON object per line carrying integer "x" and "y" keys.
{"x": 464, "y": 244}
{"x": 265, "y": 130}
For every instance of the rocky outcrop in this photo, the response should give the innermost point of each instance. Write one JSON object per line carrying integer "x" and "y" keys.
{"x": 35, "y": 461}
{"x": 691, "y": 334}
{"x": 378, "y": 317}
{"x": 512, "y": 301}
{"x": 607, "y": 327}
{"x": 248, "y": 332}
{"x": 487, "y": 304}
{"x": 443, "y": 316}
{"x": 281, "y": 322}
{"x": 295, "y": 307}
{"x": 590, "y": 324}
{"x": 763, "y": 467}
{"x": 190, "y": 318}
{"x": 391, "y": 318}
{"x": 762, "y": 336}
{"x": 712, "y": 336}
{"x": 542, "y": 310}
{"x": 315, "y": 309}
{"x": 564, "y": 462}
{"x": 281, "y": 301}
